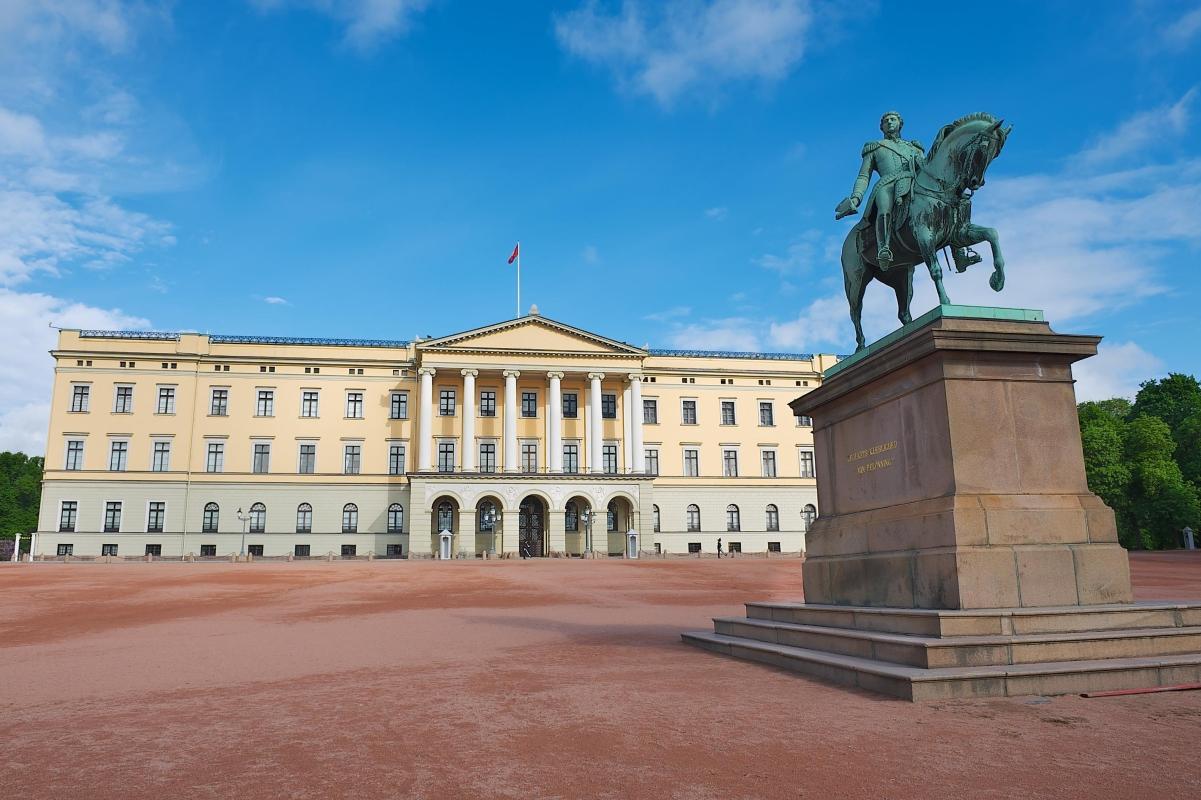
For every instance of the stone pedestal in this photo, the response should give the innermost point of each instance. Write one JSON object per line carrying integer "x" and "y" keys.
{"x": 958, "y": 551}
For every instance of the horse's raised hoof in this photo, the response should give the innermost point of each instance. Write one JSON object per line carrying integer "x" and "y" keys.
{"x": 997, "y": 281}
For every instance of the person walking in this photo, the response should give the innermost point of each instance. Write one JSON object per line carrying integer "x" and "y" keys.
{"x": 719, "y": 547}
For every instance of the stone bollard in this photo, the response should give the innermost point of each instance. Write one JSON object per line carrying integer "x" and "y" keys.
{"x": 371, "y": 555}
{"x": 289, "y": 557}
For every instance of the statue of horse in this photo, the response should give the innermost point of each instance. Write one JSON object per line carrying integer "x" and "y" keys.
{"x": 937, "y": 214}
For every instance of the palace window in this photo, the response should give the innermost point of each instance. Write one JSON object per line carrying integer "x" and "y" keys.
{"x": 807, "y": 464}
{"x": 571, "y": 405}
{"x": 655, "y": 517}
{"x": 611, "y": 516}
{"x": 446, "y": 403}
{"x": 650, "y": 411}
{"x": 212, "y": 514}
{"x": 79, "y": 398}
{"x": 215, "y": 458}
{"x": 74, "y": 454}
{"x": 258, "y": 518}
{"x": 803, "y": 421}
{"x": 399, "y": 406}
{"x": 160, "y": 459}
{"x": 529, "y": 404}
{"x": 123, "y": 403}
{"x": 219, "y": 404}
{"x": 773, "y": 517}
{"x": 65, "y": 549}
{"x": 727, "y": 412}
{"x": 529, "y": 457}
{"x": 808, "y": 515}
{"x": 729, "y": 461}
{"x": 733, "y": 522}
{"x": 693, "y": 517}
{"x": 446, "y": 456}
{"x": 208, "y": 551}
{"x": 265, "y": 405}
{"x": 488, "y": 403}
{"x": 396, "y": 518}
{"x": 446, "y": 517}
{"x": 304, "y": 518}
{"x": 154, "y": 517}
{"x": 112, "y": 517}
{"x": 350, "y": 518}
{"x": 308, "y": 404}
{"x": 571, "y": 517}
{"x": 609, "y": 458}
{"x": 301, "y": 551}
{"x": 571, "y": 458}
{"x": 396, "y": 459}
{"x": 767, "y": 416}
{"x": 108, "y": 549}
{"x": 768, "y": 458}
{"x": 652, "y": 461}
{"x": 308, "y": 459}
{"x": 688, "y": 412}
{"x": 261, "y": 463}
{"x": 486, "y": 517}
{"x": 487, "y": 456}
{"x": 67, "y": 515}
{"x": 166, "y": 400}
{"x": 692, "y": 463}
{"x": 354, "y": 405}
{"x": 118, "y": 457}
{"x": 352, "y": 459}
{"x": 609, "y": 406}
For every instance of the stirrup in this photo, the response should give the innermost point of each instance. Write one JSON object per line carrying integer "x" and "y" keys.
{"x": 964, "y": 257}
{"x": 884, "y": 256}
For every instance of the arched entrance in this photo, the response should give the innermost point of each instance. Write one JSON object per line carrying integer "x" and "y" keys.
{"x": 487, "y": 525}
{"x": 619, "y": 518}
{"x": 444, "y": 517}
{"x": 531, "y": 527}
{"x": 577, "y": 513}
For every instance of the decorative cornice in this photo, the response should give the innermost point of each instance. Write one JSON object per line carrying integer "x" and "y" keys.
{"x": 731, "y": 354}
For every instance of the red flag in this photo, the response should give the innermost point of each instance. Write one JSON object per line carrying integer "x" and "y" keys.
{"x": 516, "y": 253}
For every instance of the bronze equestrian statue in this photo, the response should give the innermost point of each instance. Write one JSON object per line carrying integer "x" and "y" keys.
{"x": 920, "y": 205}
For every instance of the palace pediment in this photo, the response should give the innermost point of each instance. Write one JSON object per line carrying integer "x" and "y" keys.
{"x": 530, "y": 335}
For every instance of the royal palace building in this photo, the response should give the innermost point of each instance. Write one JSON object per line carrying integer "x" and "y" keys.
{"x": 526, "y": 437}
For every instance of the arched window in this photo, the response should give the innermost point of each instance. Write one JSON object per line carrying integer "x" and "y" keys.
{"x": 209, "y": 524}
{"x": 694, "y": 517}
{"x": 350, "y": 518}
{"x": 446, "y": 517}
{"x": 611, "y": 516}
{"x": 808, "y": 515}
{"x": 733, "y": 523}
{"x": 571, "y": 517}
{"x": 485, "y": 517}
{"x": 655, "y": 517}
{"x": 773, "y": 517}
{"x": 304, "y": 518}
{"x": 396, "y": 518}
{"x": 258, "y": 518}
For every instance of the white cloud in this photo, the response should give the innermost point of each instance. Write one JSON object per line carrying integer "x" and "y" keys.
{"x": 674, "y": 47}
{"x": 1116, "y": 371}
{"x": 1141, "y": 130}
{"x": 813, "y": 248}
{"x": 26, "y": 373}
{"x": 717, "y": 214}
{"x": 732, "y": 333}
{"x": 275, "y": 301}
{"x": 1184, "y": 29}
{"x": 21, "y": 135}
{"x": 110, "y": 23}
{"x": 368, "y": 23}
{"x": 668, "y": 314}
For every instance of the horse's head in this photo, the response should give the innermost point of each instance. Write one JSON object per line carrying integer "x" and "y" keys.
{"x": 963, "y": 150}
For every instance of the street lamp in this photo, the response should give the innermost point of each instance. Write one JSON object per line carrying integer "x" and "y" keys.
{"x": 490, "y": 521}
{"x": 244, "y": 518}
{"x": 587, "y": 516}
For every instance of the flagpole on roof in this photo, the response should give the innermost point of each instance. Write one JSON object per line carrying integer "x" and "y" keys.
{"x": 519, "y": 278}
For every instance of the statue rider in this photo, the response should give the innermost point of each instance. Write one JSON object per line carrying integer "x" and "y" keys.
{"x": 895, "y": 160}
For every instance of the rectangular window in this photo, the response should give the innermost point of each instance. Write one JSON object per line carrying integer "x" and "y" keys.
{"x": 571, "y": 458}
{"x": 692, "y": 463}
{"x": 66, "y": 549}
{"x": 354, "y": 405}
{"x": 487, "y": 457}
{"x": 487, "y": 403}
{"x": 734, "y": 547}
{"x": 112, "y": 517}
{"x": 571, "y": 405}
{"x": 609, "y": 455}
{"x": 67, "y": 515}
{"x": 729, "y": 461}
{"x": 74, "y": 454}
{"x": 803, "y": 421}
{"x": 79, "y": 398}
{"x": 215, "y": 459}
{"x": 208, "y": 551}
{"x": 769, "y": 463}
{"x": 529, "y": 457}
{"x": 767, "y": 416}
{"x": 652, "y": 462}
{"x": 166, "y": 400}
{"x": 650, "y": 411}
{"x": 160, "y": 459}
{"x": 773, "y": 547}
{"x": 308, "y": 404}
{"x": 262, "y": 458}
{"x": 119, "y": 456}
{"x": 349, "y": 550}
{"x": 124, "y": 400}
{"x": 301, "y": 551}
{"x": 308, "y": 459}
{"x": 529, "y": 404}
{"x": 446, "y": 456}
{"x": 727, "y": 412}
{"x": 688, "y": 412}
{"x": 266, "y": 403}
{"x": 609, "y": 406}
{"x": 108, "y": 549}
{"x": 694, "y": 547}
{"x": 396, "y": 459}
{"x": 352, "y": 459}
{"x": 807, "y": 464}
{"x": 219, "y": 406}
{"x": 154, "y": 517}
{"x": 255, "y": 549}
{"x": 399, "y": 406}
{"x": 446, "y": 403}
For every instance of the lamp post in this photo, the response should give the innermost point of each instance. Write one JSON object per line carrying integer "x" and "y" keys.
{"x": 490, "y": 521}
{"x": 586, "y": 515}
{"x": 244, "y": 518}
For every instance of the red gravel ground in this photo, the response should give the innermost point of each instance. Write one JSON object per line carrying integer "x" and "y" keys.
{"x": 509, "y": 679}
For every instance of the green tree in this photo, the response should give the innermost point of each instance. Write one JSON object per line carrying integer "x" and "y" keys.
{"x": 1160, "y": 501}
{"x": 1173, "y": 399}
{"x": 20, "y": 493}
{"x": 1102, "y": 432}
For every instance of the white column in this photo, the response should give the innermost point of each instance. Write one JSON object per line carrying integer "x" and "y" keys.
{"x": 636, "y": 422}
{"x": 596, "y": 461}
{"x": 555, "y": 440}
{"x": 16, "y": 547}
{"x": 511, "y": 420}
{"x": 469, "y": 448}
{"x": 627, "y": 442}
{"x": 425, "y": 419}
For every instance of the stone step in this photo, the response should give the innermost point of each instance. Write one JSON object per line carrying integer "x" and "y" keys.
{"x": 914, "y": 683}
{"x": 965, "y": 651}
{"x": 984, "y": 622}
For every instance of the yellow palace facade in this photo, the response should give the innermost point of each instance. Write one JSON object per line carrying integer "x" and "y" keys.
{"x": 527, "y": 437}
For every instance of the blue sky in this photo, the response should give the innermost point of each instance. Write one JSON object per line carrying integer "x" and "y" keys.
{"x": 363, "y": 168}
